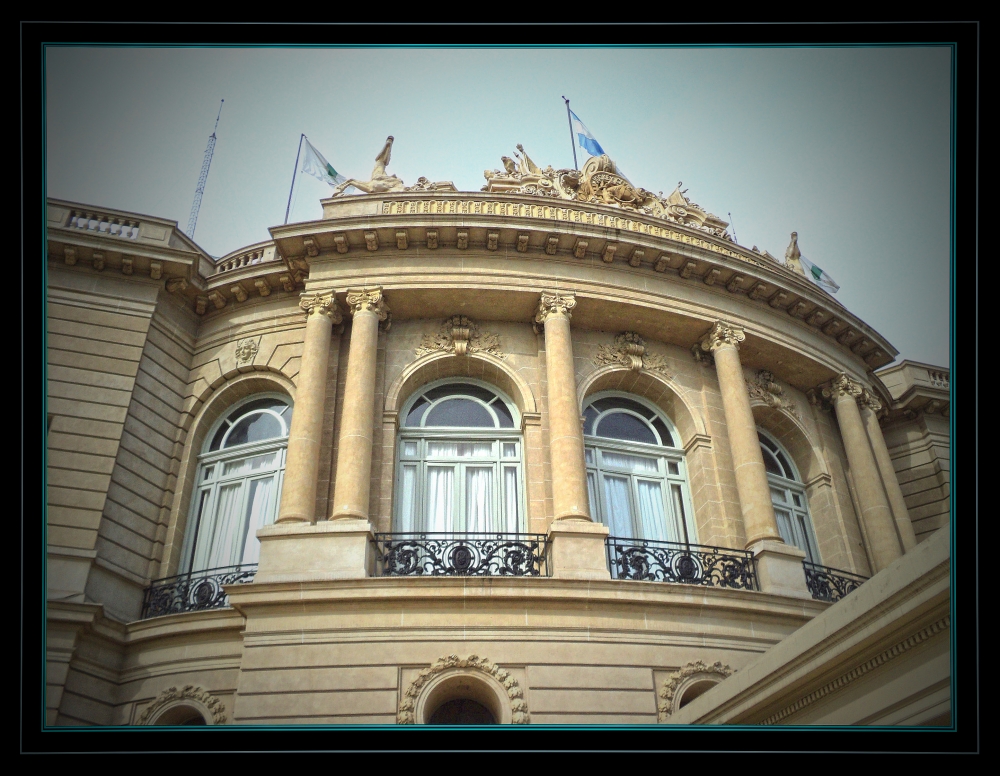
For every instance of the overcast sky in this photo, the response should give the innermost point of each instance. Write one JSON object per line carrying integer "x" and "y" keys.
{"x": 847, "y": 146}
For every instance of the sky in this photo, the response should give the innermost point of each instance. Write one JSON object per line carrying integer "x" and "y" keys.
{"x": 850, "y": 146}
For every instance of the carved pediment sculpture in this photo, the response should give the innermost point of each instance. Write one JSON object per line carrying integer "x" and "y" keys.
{"x": 382, "y": 183}
{"x": 629, "y": 351}
{"x": 763, "y": 386}
{"x": 460, "y": 335}
{"x": 599, "y": 182}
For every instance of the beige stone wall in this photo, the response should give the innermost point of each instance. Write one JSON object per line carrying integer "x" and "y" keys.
{"x": 921, "y": 456}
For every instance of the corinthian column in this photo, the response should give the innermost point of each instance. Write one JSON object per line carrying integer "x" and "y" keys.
{"x": 569, "y": 472}
{"x": 751, "y": 477}
{"x": 875, "y": 510}
{"x": 298, "y": 493}
{"x": 870, "y": 407}
{"x": 354, "y": 459}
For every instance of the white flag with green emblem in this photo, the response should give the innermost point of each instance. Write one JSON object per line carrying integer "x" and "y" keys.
{"x": 319, "y": 167}
{"x": 818, "y": 276}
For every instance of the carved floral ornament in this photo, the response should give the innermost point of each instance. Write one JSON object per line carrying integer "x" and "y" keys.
{"x": 766, "y": 388}
{"x": 721, "y": 334}
{"x": 629, "y": 351}
{"x": 246, "y": 349}
{"x": 684, "y": 677}
{"x": 188, "y": 692}
{"x": 518, "y": 706}
{"x": 321, "y": 304}
{"x": 461, "y": 335}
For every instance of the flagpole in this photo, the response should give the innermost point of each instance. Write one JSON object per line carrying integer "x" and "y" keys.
{"x": 295, "y": 172}
{"x": 569, "y": 118}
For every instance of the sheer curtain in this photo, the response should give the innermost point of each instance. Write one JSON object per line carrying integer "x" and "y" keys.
{"x": 618, "y": 510}
{"x": 257, "y": 516}
{"x": 651, "y": 511}
{"x": 511, "y": 500}
{"x": 217, "y": 546}
{"x": 478, "y": 499}
{"x": 440, "y": 497}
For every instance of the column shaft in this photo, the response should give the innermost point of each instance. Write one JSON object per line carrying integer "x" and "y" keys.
{"x": 569, "y": 472}
{"x": 751, "y": 476}
{"x": 352, "y": 488}
{"x": 875, "y": 512}
{"x": 896, "y": 501}
{"x": 298, "y": 493}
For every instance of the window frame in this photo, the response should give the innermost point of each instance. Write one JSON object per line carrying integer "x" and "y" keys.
{"x": 664, "y": 454}
{"x": 496, "y": 436}
{"x": 791, "y": 487}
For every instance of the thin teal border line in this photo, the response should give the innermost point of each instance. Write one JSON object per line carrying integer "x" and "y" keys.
{"x": 952, "y": 45}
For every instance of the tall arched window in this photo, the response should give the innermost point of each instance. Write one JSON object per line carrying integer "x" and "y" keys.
{"x": 239, "y": 484}
{"x": 459, "y": 462}
{"x": 788, "y": 497}
{"x": 636, "y": 474}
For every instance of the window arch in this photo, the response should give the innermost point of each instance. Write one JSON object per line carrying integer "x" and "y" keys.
{"x": 636, "y": 473}
{"x": 240, "y": 472}
{"x": 459, "y": 461}
{"x": 788, "y": 496}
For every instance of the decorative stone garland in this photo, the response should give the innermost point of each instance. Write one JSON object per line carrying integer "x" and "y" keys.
{"x": 519, "y": 708}
{"x": 673, "y": 682}
{"x": 187, "y": 692}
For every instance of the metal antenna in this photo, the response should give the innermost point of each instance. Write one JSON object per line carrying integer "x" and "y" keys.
{"x": 200, "y": 189}
{"x": 734, "y": 228}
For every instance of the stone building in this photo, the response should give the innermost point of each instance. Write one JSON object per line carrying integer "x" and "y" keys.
{"x": 559, "y": 451}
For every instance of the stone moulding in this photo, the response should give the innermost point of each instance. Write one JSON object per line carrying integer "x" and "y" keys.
{"x": 686, "y": 676}
{"x": 629, "y": 351}
{"x": 518, "y": 706}
{"x": 189, "y": 692}
{"x": 461, "y": 335}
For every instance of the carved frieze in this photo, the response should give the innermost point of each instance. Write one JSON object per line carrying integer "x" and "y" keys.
{"x": 629, "y": 351}
{"x": 408, "y": 701}
{"x": 188, "y": 692}
{"x": 461, "y": 335}
{"x": 762, "y": 385}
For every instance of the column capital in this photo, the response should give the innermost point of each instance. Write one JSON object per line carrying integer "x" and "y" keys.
{"x": 842, "y": 385}
{"x": 321, "y": 303}
{"x": 368, "y": 300}
{"x": 554, "y": 304}
{"x": 721, "y": 334}
{"x": 871, "y": 401}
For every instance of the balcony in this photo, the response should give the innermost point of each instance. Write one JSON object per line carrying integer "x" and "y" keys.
{"x": 686, "y": 564}
{"x": 460, "y": 555}
{"x": 194, "y": 591}
{"x": 830, "y": 584}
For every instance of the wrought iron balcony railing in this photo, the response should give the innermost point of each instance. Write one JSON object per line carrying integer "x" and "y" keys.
{"x": 194, "y": 590}
{"x": 686, "y": 564}
{"x": 829, "y": 584}
{"x": 460, "y": 554}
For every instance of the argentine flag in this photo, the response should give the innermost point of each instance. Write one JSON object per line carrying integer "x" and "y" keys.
{"x": 585, "y": 140}
{"x": 314, "y": 164}
{"x": 818, "y": 276}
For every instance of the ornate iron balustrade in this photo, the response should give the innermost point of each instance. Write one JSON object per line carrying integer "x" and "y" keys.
{"x": 460, "y": 555}
{"x": 829, "y": 584}
{"x": 193, "y": 591}
{"x": 686, "y": 564}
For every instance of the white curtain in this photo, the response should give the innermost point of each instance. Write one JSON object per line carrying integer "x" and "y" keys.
{"x": 440, "y": 497}
{"x": 458, "y": 449}
{"x": 511, "y": 500}
{"x": 258, "y": 515}
{"x": 634, "y": 463}
{"x": 785, "y": 527}
{"x": 679, "y": 520}
{"x": 218, "y": 540}
{"x": 617, "y": 510}
{"x": 651, "y": 511}
{"x": 408, "y": 500}
{"x": 478, "y": 499}
{"x": 592, "y": 495}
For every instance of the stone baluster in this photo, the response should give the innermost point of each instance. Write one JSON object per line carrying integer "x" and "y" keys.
{"x": 870, "y": 407}
{"x": 875, "y": 510}
{"x": 354, "y": 460}
{"x": 779, "y": 565}
{"x": 298, "y": 493}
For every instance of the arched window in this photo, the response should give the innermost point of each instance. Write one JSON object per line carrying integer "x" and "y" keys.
{"x": 239, "y": 484}
{"x": 459, "y": 462}
{"x": 788, "y": 497}
{"x": 636, "y": 474}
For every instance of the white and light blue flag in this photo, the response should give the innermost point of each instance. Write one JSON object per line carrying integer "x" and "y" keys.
{"x": 818, "y": 276}
{"x": 584, "y": 138}
{"x": 316, "y": 165}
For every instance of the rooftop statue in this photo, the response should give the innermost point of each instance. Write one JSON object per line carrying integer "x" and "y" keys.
{"x": 599, "y": 182}
{"x": 381, "y": 183}
{"x": 792, "y": 255}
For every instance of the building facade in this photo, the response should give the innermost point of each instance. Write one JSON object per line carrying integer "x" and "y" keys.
{"x": 559, "y": 451}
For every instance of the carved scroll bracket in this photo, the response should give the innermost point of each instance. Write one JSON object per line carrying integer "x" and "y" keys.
{"x": 461, "y": 335}
{"x": 629, "y": 351}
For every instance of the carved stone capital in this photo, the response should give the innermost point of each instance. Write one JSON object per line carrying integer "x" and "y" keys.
{"x": 554, "y": 304}
{"x": 871, "y": 401}
{"x": 321, "y": 304}
{"x": 368, "y": 300}
{"x": 842, "y": 385}
{"x": 722, "y": 334}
